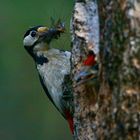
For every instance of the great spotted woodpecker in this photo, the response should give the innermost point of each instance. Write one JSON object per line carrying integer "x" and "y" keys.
{"x": 88, "y": 70}
{"x": 53, "y": 66}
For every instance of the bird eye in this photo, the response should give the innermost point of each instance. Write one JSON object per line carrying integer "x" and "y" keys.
{"x": 33, "y": 33}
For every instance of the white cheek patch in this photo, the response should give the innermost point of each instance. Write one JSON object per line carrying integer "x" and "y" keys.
{"x": 29, "y": 40}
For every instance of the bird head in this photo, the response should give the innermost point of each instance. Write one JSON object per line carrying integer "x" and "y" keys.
{"x": 38, "y": 38}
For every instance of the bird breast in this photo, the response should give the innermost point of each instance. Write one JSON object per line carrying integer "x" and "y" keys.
{"x": 53, "y": 73}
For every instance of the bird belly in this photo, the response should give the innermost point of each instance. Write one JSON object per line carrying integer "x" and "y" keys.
{"x": 52, "y": 74}
{"x": 53, "y": 79}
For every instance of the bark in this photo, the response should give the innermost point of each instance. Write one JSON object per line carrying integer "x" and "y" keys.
{"x": 85, "y": 30}
{"x": 111, "y": 110}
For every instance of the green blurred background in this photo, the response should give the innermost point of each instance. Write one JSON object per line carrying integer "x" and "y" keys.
{"x": 25, "y": 111}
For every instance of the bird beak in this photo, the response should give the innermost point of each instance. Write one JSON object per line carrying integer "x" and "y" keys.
{"x": 47, "y": 34}
{"x": 43, "y": 33}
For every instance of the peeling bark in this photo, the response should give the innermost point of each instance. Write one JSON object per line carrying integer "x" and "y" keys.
{"x": 112, "y": 110}
{"x": 85, "y": 37}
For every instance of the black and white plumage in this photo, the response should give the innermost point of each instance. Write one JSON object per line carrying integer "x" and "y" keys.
{"x": 53, "y": 73}
{"x": 53, "y": 65}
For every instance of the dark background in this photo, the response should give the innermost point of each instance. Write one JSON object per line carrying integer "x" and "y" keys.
{"x": 25, "y": 111}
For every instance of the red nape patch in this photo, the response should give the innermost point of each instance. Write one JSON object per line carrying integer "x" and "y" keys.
{"x": 70, "y": 121}
{"x": 90, "y": 61}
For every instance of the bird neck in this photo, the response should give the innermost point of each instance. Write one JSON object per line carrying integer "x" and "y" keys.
{"x": 40, "y": 58}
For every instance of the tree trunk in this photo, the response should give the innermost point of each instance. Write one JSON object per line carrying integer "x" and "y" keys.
{"x": 107, "y": 108}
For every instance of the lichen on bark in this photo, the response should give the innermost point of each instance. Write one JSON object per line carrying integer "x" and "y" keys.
{"x": 85, "y": 37}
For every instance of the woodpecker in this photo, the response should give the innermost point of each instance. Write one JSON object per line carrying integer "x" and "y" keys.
{"x": 88, "y": 70}
{"x": 53, "y": 66}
